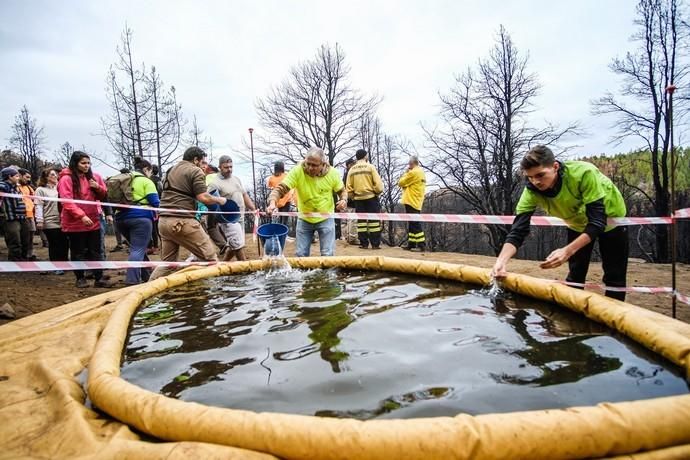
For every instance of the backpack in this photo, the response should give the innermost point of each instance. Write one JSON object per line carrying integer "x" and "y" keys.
{"x": 120, "y": 189}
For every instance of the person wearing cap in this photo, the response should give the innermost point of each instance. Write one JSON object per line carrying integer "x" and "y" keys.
{"x": 14, "y": 211}
{"x": 581, "y": 195}
{"x": 229, "y": 186}
{"x": 413, "y": 185}
{"x": 364, "y": 185}
{"x": 183, "y": 186}
{"x": 314, "y": 181}
{"x": 285, "y": 203}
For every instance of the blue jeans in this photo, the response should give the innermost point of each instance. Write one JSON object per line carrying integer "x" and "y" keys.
{"x": 104, "y": 227}
{"x": 305, "y": 236}
{"x": 138, "y": 232}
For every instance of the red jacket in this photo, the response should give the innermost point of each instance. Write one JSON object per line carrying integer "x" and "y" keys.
{"x": 71, "y": 214}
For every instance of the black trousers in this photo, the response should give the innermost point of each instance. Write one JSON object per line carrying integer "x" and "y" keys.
{"x": 86, "y": 246}
{"x": 284, "y": 219}
{"x": 338, "y": 231}
{"x": 415, "y": 234}
{"x": 58, "y": 245}
{"x": 154, "y": 242}
{"x": 614, "y": 248}
{"x": 368, "y": 231}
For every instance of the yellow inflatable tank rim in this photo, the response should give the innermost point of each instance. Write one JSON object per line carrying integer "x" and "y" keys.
{"x": 660, "y": 427}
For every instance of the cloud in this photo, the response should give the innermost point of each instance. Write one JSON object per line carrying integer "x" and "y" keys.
{"x": 222, "y": 55}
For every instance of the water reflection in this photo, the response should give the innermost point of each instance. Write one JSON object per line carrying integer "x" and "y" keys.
{"x": 377, "y": 345}
{"x": 566, "y": 359}
{"x": 324, "y": 322}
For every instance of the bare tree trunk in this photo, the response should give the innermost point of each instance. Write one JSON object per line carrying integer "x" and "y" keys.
{"x": 641, "y": 106}
{"x": 483, "y": 129}
{"x": 27, "y": 137}
{"x": 314, "y": 106}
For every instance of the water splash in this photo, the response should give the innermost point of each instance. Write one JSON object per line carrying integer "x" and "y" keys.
{"x": 496, "y": 291}
{"x": 279, "y": 266}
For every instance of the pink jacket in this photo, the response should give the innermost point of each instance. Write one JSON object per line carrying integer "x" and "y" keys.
{"x": 72, "y": 213}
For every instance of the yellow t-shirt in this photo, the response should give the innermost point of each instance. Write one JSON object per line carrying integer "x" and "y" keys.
{"x": 314, "y": 193}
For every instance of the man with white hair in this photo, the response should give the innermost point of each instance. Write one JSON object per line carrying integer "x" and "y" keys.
{"x": 413, "y": 185}
{"x": 314, "y": 180}
{"x": 230, "y": 187}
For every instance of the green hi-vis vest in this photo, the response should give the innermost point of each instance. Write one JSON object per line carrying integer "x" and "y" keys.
{"x": 583, "y": 183}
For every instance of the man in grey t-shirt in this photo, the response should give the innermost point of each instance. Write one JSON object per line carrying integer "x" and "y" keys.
{"x": 230, "y": 187}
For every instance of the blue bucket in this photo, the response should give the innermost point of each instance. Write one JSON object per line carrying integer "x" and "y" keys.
{"x": 233, "y": 213}
{"x": 267, "y": 231}
{"x": 230, "y": 207}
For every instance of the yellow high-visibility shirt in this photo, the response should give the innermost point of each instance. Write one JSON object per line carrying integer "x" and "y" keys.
{"x": 314, "y": 193}
{"x": 363, "y": 181}
{"x": 413, "y": 184}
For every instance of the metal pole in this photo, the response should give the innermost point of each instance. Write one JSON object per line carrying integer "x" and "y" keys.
{"x": 670, "y": 89}
{"x": 256, "y": 197}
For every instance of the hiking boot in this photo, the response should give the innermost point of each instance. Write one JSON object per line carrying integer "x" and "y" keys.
{"x": 408, "y": 247}
{"x": 117, "y": 248}
{"x": 82, "y": 283}
{"x": 363, "y": 246}
{"x": 376, "y": 247}
{"x": 102, "y": 283}
{"x": 418, "y": 249}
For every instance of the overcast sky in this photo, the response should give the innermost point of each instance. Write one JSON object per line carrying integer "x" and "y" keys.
{"x": 222, "y": 55}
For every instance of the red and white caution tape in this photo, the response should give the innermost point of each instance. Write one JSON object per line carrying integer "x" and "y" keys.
{"x": 47, "y": 266}
{"x": 470, "y": 218}
{"x": 682, "y": 298}
{"x": 642, "y": 289}
{"x": 682, "y": 213}
{"x": 645, "y": 289}
{"x": 399, "y": 217}
{"x": 118, "y": 205}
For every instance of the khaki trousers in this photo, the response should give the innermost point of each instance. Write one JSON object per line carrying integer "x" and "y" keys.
{"x": 186, "y": 232}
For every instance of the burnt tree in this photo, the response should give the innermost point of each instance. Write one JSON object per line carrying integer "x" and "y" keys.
{"x": 314, "y": 106}
{"x": 484, "y": 130}
{"x": 641, "y": 104}
{"x": 28, "y": 139}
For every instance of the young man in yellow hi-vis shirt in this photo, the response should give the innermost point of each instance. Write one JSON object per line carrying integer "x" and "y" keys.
{"x": 314, "y": 180}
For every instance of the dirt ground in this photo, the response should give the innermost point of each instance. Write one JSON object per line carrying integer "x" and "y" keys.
{"x": 32, "y": 292}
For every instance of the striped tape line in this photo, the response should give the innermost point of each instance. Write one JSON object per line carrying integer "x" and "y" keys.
{"x": 644, "y": 289}
{"x": 399, "y": 217}
{"x": 118, "y": 205}
{"x": 471, "y": 218}
{"x": 48, "y": 266}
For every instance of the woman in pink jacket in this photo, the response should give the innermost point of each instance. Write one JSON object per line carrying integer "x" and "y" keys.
{"x": 81, "y": 222}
